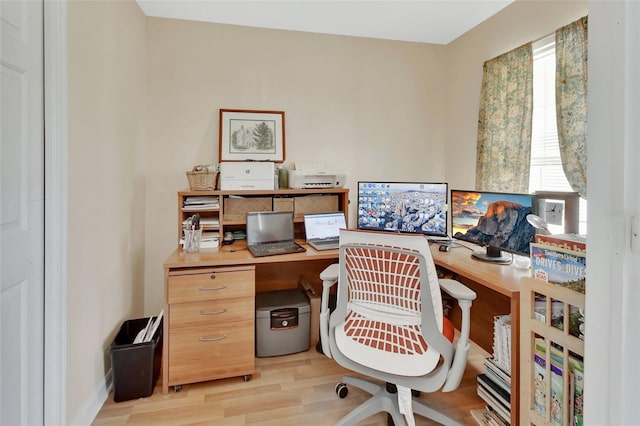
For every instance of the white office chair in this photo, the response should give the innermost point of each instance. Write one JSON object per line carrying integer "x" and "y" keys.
{"x": 388, "y": 324}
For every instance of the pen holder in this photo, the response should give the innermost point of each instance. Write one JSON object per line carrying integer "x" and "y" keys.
{"x": 191, "y": 242}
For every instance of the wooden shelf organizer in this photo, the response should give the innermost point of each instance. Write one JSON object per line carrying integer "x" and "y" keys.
{"x": 532, "y": 328}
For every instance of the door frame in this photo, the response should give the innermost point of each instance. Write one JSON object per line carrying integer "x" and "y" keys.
{"x": 55, "y": 205}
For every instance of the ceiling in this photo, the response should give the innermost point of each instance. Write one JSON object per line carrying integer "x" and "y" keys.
{"x": 424, "y": 21}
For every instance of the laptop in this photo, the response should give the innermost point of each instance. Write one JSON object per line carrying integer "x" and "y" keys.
{"x": 323, "y": 230}
{"x": 271, "y": 233}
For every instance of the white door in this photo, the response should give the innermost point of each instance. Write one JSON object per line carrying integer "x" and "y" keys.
{"x": 21, "y": 213}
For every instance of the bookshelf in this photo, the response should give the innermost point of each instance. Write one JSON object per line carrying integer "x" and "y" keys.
{"x": 206, "y": 204}
{"x": 222, "y": 211}
{"x": 552, "y": 349}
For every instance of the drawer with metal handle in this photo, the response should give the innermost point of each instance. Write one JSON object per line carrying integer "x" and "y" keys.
{"x": 210, "y": 312}
{"x": 212, "y": 352}
{"x": 225, "y": 284}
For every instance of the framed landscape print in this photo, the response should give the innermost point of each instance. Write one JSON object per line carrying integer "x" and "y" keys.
{"x": 251, "y": 135}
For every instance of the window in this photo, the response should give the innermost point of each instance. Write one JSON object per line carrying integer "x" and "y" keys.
{"x": 546, "y": 172}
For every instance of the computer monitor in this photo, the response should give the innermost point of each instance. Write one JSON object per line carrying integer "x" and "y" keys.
{"x": 411, "y": 207}
{"x": 497, "y": 221}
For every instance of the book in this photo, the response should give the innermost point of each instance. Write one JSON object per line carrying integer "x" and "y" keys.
{"x": 559, "y": 266}
{"x": 540, "y": 384}
{"x": 499, "y": 393}
{"x": 554, "y": 385}
{"x": 573, "y": 242}
{"x": 497, "y": 406}
{"x": 576, "y": 398}
{"x": 557, "y": 394}
{"x": 494, "y": 418}
{"x": 497, "y": 375}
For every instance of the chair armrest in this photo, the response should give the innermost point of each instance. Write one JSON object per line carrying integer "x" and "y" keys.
{"x": 330, "y": 273}
{"x": 329, "y": 277}
{"x": 464, "y": 295}
{"x": 456, "y": 289}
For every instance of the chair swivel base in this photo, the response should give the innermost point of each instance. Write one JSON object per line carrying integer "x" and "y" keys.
{"x": 384, "y": 399}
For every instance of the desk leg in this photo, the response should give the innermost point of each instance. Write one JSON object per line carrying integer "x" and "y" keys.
{"x": 515, "y": 359}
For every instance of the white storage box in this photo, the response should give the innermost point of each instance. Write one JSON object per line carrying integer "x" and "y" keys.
{"x": 247, "y": 175}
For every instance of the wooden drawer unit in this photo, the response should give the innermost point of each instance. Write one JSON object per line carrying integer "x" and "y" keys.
{"x": 210, "y": 323}
{"x": 219, "y": 283}
{"x": 209, "y": 352}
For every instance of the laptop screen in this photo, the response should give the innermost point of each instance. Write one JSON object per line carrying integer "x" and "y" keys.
{"x": 325, "y": 225}
{"x": 269, "y": 227}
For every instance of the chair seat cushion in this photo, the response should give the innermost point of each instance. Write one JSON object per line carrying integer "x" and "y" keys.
{"x": 391, "y": 348}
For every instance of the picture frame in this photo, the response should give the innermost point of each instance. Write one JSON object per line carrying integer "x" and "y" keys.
{"x": 251, "y": 135}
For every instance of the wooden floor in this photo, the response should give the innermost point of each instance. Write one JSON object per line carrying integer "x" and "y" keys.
{"x": 297, "y": 389}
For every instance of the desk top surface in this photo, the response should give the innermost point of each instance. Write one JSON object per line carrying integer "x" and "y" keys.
{"x": 505, "y": 279}
{"x": 237, "y": 254}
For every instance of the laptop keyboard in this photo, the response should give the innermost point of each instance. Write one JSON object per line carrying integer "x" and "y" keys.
{"x": 276, "y": 248}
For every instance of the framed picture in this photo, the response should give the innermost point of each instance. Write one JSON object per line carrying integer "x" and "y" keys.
{"x": 251, "y": 135}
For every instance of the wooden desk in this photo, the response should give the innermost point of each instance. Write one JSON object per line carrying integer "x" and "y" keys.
{"x": 209, "y": 325}
{"x": 498, "y": 290}
{"x": 497, "y": 287}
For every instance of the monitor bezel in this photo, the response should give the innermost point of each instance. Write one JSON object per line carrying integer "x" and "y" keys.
{"x": 407, "y": 182}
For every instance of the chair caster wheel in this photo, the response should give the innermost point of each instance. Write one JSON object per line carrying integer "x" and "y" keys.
{"x": 342, "y": 390}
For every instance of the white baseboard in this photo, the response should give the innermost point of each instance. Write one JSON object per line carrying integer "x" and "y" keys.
{"x": 93, "y": 405}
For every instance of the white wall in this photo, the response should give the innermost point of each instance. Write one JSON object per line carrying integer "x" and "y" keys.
{"x": 371, "y": 108}
{"x": 106, "y": 53}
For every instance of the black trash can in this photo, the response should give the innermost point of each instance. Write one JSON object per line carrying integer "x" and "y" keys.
{"x": 135, "y": 367}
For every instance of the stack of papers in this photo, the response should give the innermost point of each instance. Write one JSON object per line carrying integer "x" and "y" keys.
{"x": 209, "y": 242}
{"x": 502, "y": 342}
{"x": 147, "y": 333}
{"x": 204, "y": 202}
{"x": 205, "y": 223}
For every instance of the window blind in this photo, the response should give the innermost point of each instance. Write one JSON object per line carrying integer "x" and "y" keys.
{"x": 546, "y": 168}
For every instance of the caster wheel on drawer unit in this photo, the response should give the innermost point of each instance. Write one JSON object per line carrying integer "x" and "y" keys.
{"x": 177, "y": 388}
{"x": 342, "y": 390}
{"x": 247, "y": 377}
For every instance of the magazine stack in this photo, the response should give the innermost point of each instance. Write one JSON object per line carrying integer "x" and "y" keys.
{"x": 494, "y": 385}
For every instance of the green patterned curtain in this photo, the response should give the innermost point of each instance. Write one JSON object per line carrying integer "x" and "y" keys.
{"x": 571, "y": 102}
{"x": 504, "y": 123}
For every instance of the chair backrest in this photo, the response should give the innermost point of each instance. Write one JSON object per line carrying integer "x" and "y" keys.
{"x": 389, "y": 300}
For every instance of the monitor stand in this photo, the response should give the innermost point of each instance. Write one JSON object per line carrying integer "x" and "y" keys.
{"x": 493, "y": 255}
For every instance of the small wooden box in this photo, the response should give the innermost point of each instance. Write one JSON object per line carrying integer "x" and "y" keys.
{"x": 283, "y": 204}
{"x": 309, "y": 204}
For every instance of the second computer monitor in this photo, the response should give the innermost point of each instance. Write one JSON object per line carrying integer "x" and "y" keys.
{"x": 411, "y": 207}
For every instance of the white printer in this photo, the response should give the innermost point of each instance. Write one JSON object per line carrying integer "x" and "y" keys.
{"x": 313, "y": 174}
{"x": 247, "y": 175}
